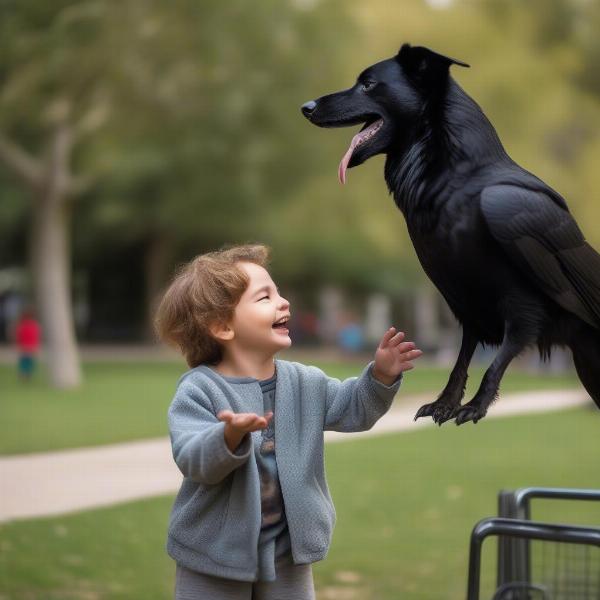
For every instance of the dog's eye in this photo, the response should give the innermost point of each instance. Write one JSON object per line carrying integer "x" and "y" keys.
{"x": 368, "y": 85}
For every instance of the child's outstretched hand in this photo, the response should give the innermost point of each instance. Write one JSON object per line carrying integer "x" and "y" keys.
{"x": 393, "y": 356}
{"x": 237, "y": 425}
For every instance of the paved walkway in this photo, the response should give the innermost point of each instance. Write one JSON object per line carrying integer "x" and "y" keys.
{"x": 53, "y": 483}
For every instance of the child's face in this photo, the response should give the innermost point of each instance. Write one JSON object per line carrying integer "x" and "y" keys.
{"x": 259, "y": 308}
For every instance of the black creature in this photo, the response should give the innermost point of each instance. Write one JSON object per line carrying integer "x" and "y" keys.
{"x": 499, "y": 244}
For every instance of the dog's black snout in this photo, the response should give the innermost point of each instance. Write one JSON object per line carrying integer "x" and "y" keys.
{"x": 308, "y": 107}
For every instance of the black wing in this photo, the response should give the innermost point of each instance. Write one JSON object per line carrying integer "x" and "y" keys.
{"x": 544, "y": 241}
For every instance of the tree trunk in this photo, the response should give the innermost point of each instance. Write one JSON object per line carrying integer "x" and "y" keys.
{"x": 51, "y": 184}
{"x": 50, "y": 256}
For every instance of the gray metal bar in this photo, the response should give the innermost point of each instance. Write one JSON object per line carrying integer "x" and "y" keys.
{"x": 523, "y": 497}
{"x": 514, "y": 554}
{"x": 521, "y": 528}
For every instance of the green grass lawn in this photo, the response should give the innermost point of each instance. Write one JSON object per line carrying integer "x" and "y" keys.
{"x": 129, "y": 400}
{"x": 406, "y": 503}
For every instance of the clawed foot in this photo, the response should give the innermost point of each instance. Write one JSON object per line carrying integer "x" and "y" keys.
{"x": 470, "y": 412}
{"x": 440, "y": 412}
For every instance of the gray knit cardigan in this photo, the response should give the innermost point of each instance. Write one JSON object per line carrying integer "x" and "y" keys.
{"x": 215, "y": 520}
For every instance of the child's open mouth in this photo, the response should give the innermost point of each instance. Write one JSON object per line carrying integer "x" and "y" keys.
{"x": 281, "y": 325}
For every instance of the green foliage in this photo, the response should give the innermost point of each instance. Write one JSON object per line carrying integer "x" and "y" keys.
{"x": 187, "y": 114}
{"x": 208, "y": 164}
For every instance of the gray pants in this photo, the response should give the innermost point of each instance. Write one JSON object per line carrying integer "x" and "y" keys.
{"x": 294, "y": 582}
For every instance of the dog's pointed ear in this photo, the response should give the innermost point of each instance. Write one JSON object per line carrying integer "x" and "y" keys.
{"x": 425, "y": 64}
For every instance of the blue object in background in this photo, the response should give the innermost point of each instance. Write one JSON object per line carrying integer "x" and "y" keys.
{"x": 350, "y": 337}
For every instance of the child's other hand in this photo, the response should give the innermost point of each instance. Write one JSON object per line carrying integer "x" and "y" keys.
{"x": 393, "y": 356}
{"x": 245, "y": 422}
{"x": 237, "y": 425}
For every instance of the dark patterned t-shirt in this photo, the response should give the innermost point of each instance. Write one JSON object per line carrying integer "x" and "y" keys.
{"x": 274, "y": 540}
{"x": 270, "y": 490}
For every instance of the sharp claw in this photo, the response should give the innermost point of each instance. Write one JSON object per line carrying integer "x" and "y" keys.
{"x": 423, "y": 412}
{"x": 444, "y": 414}
{"x": 439, "y": 412}
{"x": 462, "y": 417}
{"x": 468, "y": 414}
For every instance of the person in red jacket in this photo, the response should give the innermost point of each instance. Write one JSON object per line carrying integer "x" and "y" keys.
{"x": 27, "y": 337}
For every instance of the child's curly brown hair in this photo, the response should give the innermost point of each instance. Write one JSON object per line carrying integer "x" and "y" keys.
{"x": 204, "y": 292}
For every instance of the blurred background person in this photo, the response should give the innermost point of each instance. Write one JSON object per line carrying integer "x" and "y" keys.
{"x": 350, "y": 335}
{"x": 27, "y": 338}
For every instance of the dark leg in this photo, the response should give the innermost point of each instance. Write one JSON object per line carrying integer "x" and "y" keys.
{"x": 516, "y": 338}
{"x": 444, "y": 408}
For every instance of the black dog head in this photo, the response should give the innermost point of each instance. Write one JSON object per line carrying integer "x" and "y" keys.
{"x": 388, "y": 97}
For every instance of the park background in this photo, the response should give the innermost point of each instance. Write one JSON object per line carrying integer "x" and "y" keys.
{"x": 135, "y": 135}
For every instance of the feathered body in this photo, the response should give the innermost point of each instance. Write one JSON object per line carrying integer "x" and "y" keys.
{"x": 499, "y": 244}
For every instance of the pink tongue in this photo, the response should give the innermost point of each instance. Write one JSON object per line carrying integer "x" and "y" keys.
{"x": 355, "y": 140}
{"x": 346, "y": 159}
